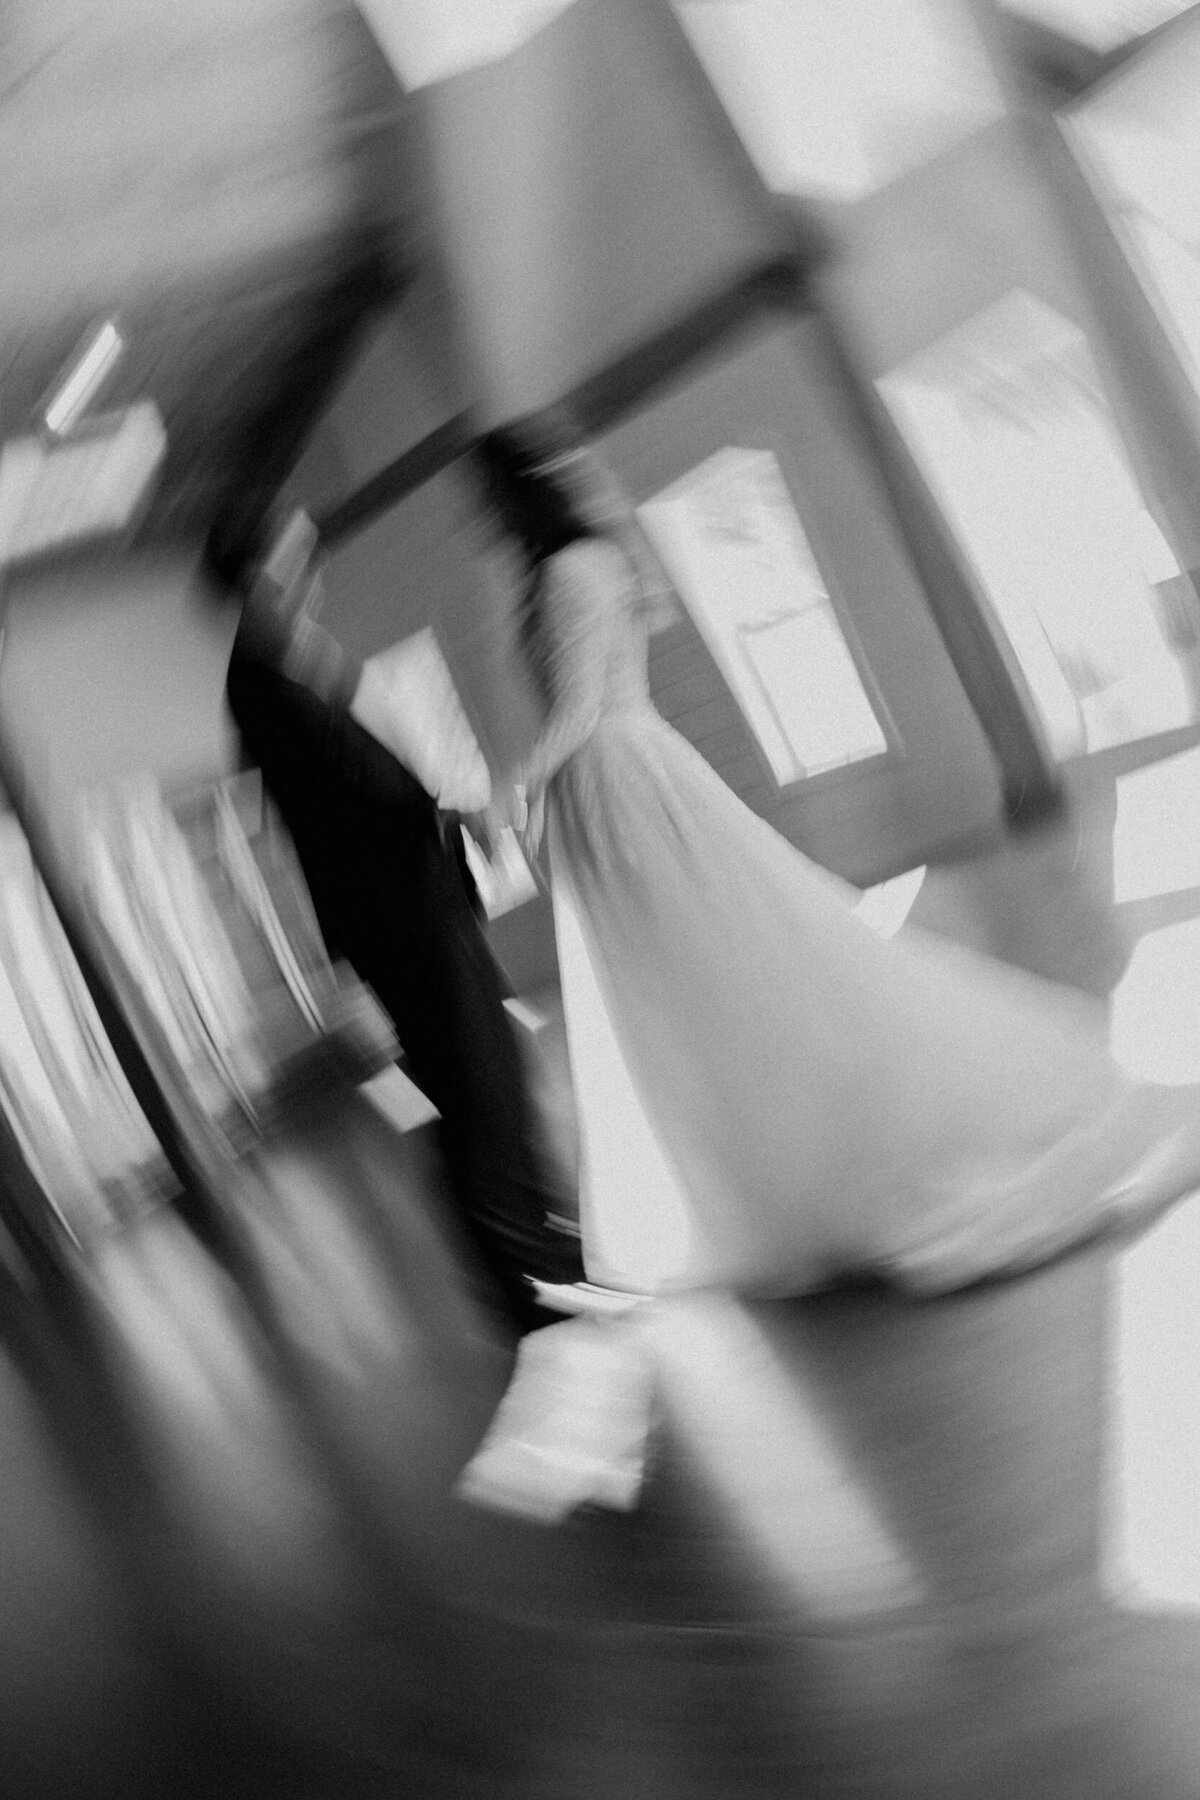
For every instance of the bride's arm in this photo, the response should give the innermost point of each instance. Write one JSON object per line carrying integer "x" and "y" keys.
{"x": 584, "y": 598}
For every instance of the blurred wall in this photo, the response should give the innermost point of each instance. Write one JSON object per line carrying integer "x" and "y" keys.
{"x": 110, "y": 668}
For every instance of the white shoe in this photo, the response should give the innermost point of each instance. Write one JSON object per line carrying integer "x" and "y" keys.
{"x": 575, "y": 1298}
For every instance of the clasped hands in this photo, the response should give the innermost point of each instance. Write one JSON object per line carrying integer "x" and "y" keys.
{"x": 511, "y": 809}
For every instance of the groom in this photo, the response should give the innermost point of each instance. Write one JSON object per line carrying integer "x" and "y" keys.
{"x": 393, "y": 898}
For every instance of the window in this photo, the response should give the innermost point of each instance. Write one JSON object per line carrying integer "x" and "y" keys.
{"x": 730, "y": 538}
{"x": 1008, "y": 420}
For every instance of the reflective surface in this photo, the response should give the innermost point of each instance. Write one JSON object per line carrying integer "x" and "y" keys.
{"x": 869, "y": 1559}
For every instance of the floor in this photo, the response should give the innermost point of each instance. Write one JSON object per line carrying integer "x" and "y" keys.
{"x": 874, "y": 1557}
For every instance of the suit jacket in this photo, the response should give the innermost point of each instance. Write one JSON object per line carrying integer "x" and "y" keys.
{"x": 392, "y": 897}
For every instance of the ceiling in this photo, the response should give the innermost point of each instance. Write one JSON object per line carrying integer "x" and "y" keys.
{"x": 235, "y": 180}
{"x": 227, "y": 176}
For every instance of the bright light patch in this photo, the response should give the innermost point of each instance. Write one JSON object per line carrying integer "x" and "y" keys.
{"x": 1008, "y": 418}
{"x": 834, "y": 101}
{"x": 1102, "y": 24}
{"x": 887, "y": 905}
{"x": 430, "y": 40}
{"x": 768, "y": 1453}
{"x": 83, "y": 382}
{"x": 1152, "y": 1552}
{"x": 729, "y": 535}
{"x": 1156, "y": 841}
{"x": 637, "y": 1228}
{"x": 1156, "y": 1008}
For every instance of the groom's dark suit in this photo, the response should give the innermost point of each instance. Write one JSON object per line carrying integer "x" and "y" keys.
{"x": 389, "y": 889}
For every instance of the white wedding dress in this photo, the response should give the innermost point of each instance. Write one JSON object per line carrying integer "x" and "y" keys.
{"x": 771, "y": 1095}
{"x": 783, "y": 1095}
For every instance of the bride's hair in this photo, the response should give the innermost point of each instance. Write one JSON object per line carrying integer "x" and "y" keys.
{"x": 551, "y": 490}
{"x": 540, "y": 479}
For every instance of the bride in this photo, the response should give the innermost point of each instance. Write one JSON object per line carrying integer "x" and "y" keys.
{"x": 824, "y": 1103}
